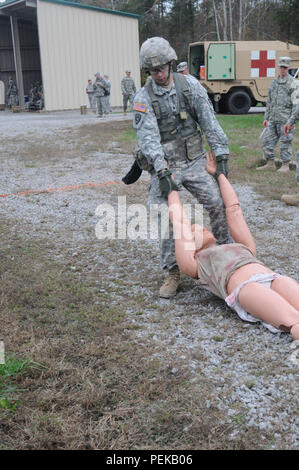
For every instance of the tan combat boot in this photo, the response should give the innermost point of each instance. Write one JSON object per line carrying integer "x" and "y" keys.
{"x": 290, "y": 199}
{"x": 170, "y": 286}
{"x": 270, "y": 165}
{"x": 284, "y": 168}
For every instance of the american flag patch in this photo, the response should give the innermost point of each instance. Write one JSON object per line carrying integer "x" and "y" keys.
{"x": 140, "y": 107}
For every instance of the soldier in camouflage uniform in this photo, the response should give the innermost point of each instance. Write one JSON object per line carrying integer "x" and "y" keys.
{"x": 166, "y": 114}
{"x": 283, "y": 98}
{"x": 128, "y": 90}
{"x": 12, "y": 93}
{"x": 100, "y": 87}
{"x": 292, "y": 199}
{"x": 107, "y": 94}
{"x": 90, "y": 93}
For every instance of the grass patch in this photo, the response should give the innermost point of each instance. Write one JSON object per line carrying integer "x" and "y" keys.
{"x": 10, "y": 372}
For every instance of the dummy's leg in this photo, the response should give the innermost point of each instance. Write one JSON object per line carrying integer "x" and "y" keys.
{"x": 288, "y": 288}
{"x": 268, "y": 305}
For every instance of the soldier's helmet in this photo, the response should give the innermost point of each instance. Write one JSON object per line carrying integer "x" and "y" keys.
{"x": 284, "y": 61}
{"x": 182, "y": 66}
{"x": 156, "y": 52}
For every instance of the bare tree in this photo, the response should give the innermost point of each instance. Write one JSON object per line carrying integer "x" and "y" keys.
{"x": 216, "y": 21}
{"x": 230, "y": 20}
{"x": 240, "y": 19}
{"x": 224, "y": 20}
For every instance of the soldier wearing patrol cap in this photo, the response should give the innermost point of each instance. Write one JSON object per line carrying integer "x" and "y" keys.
{"x": 166, "y": 115}
{"x": 128, "y": 90}
{"x": 283, "y": 98}
{"x": 12, "y": 93}
{"x": 183, "y": 68}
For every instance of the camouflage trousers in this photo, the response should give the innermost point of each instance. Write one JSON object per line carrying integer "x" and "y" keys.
{"x": 128, "y": 98}
{"x": 195, "y": 178}
{"x": 107, "y": 107}
{"x": 92, "y": 100}
{"x": 12, "y": 100}
{"x": 273, "y": 134}
{"x": 297, "y": 166}
{"x": 101, "y": 105}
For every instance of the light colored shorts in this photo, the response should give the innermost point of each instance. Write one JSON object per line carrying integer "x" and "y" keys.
{"x": 233, "y": 299}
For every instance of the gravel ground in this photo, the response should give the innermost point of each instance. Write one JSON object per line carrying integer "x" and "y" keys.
{"x": 254, "y": 372}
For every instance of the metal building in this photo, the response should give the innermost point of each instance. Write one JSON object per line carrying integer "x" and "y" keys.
{"x": 62, "y": 44}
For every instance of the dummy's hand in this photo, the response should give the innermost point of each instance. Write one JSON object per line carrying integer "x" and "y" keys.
{"x": 287, "y": 128}
{"x": 166, "y": 183}
{"x": 211, "y": 164}
{"x": 222, "y": 165}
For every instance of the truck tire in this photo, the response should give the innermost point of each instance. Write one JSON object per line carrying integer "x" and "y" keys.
{"x": 238, "y": 102}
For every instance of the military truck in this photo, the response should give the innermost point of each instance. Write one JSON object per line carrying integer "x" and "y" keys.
{"x": 237, "y": 74}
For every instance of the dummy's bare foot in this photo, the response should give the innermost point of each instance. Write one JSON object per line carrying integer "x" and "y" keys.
{"x": 295, "y": 331}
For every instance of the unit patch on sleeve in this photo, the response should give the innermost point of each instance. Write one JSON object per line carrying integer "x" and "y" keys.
{"x": 137, "y": 119}
{"x": 140, "y": 107}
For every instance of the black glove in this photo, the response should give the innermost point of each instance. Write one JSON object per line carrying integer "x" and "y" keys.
{"x": 222, "y": 165}
{"x": 166, "y": 184}
{"x": 132, "y": 175}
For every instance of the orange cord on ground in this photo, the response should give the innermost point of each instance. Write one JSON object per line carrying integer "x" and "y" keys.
{"x": 66, "y": 188}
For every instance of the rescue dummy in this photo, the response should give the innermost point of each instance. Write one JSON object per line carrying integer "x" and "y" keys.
{"x": 232, "y": 271}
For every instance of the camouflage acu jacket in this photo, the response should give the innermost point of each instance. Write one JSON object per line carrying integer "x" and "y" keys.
{"x": 146, "y": 125}
{"x": 283, "y": 99}
{"x": 128, "y": 86}
{"x": 100, "y": 86}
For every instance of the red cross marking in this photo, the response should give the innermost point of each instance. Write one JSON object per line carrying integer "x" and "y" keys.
{"x": 263, "y": 64}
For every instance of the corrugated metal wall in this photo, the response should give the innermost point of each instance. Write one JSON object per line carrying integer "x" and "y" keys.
{"x": 75, "y": 43}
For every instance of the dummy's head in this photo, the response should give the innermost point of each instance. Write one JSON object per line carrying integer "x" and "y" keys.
{"x": 203, "y": 237}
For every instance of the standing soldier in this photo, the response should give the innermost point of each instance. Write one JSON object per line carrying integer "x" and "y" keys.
{"x": 167, "y": 111}
{"x": 100, "y": 87}
{"x": 12, "y": 93}
{"x": 292, "y": 199}
{"x": 128, "y": 90}
{"x": 107, "y": 94}
{"x": 90, "y": 93}
{"x": 283, "y": 97}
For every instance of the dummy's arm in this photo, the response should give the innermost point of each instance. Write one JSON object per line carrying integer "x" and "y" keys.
{"x": 235, "y": 220}
{"x": 183, "y": 236}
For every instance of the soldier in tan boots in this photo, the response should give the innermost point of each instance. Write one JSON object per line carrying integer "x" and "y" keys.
{"x": 283, "y": 98}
